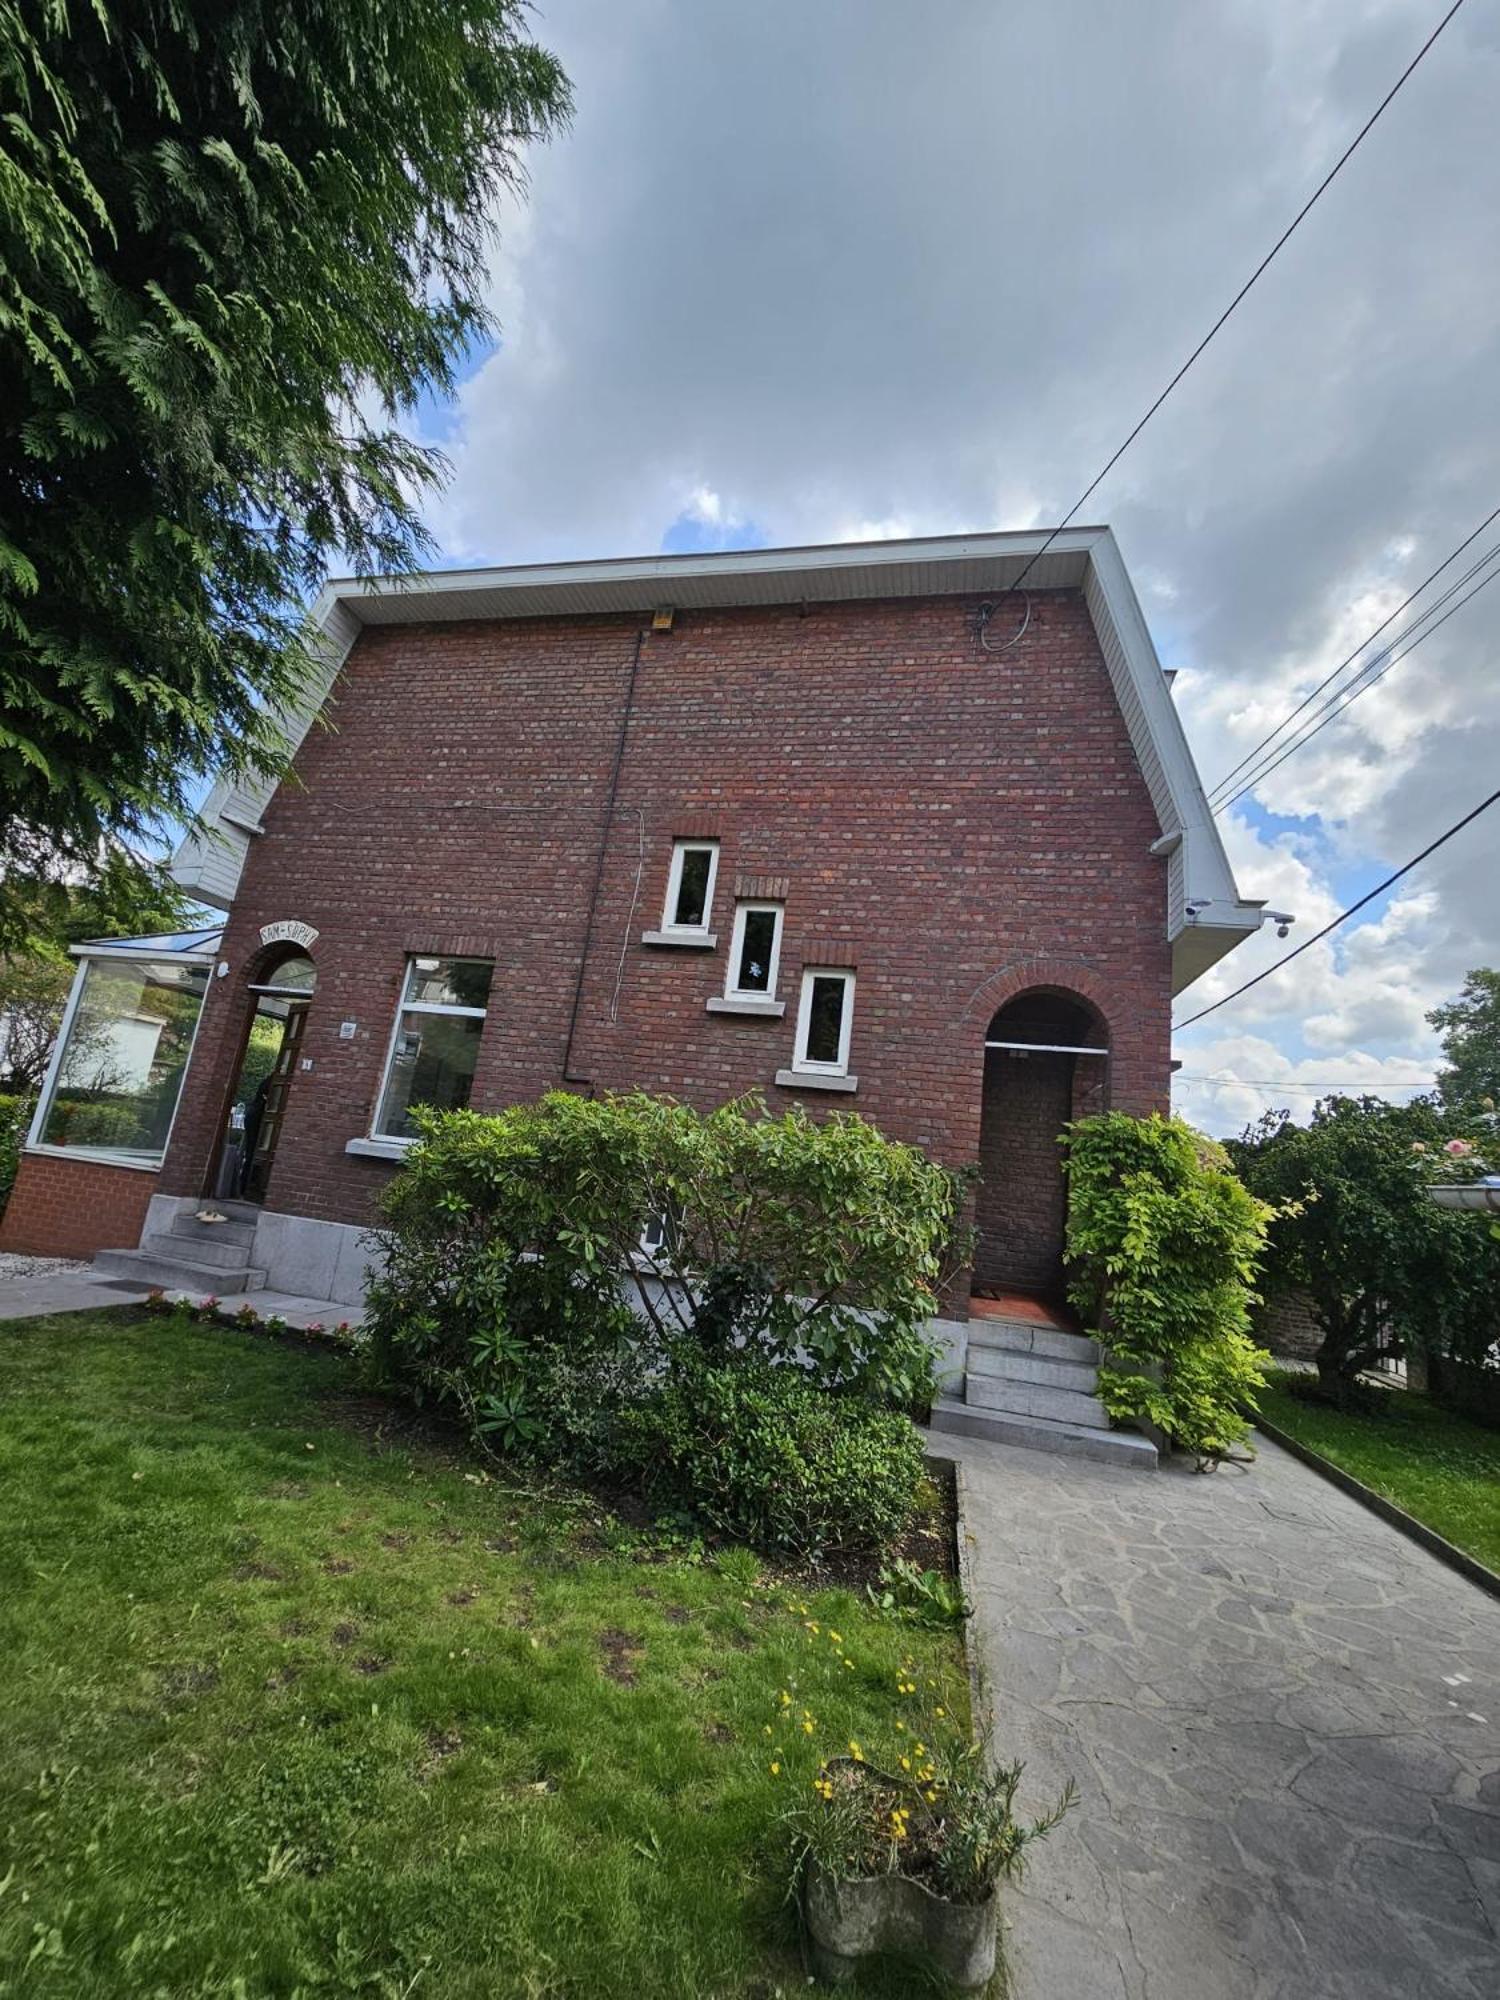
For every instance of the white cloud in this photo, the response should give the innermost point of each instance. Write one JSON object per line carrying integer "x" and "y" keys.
{"x": 861, "y": 270}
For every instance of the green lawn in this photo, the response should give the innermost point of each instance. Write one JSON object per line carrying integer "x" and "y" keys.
{"x": 1439, "y": 1467}
{"x": 291, "y": 1708}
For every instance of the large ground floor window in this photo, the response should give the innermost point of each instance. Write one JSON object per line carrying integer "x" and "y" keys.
{"x": 126, "y": 1040}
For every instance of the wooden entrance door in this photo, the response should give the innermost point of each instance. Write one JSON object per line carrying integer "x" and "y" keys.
{"x": 277, "y": 1089}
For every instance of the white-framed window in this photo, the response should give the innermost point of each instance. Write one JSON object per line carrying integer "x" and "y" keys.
{"x": 690, "y": 888}
{"x": 435, "y": 1045}
{"x": 825, "y": 1017}
{"x": 754, "y": 952}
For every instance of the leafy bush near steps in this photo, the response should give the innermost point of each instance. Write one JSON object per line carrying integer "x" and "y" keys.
{"x": 515, "y": 1241}
{"x": 765, "y": 1455}
{"x": 15, "y": 1115}
{"x": 1163, "y": 1248}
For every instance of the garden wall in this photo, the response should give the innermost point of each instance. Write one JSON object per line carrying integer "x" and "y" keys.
{"x": 71, "y": 1208}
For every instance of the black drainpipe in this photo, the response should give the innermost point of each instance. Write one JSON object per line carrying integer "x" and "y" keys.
{"x": 609, "y": 814}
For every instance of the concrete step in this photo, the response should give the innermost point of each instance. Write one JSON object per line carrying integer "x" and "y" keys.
{"x": 209, "y": 1248}
{"x": 1039, "y": 1434}
{"x": 1015, "y": 1336}
{"x": 1033, "y": 1399}
{"x": 186, "y": 1225}
{"x": 1040, "y": 1368}
{"x": 177, "y": 1273}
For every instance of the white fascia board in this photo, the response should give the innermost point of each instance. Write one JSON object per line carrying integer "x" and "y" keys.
{"x": 1198, "y": 873}
{"x": 210, "y": 858}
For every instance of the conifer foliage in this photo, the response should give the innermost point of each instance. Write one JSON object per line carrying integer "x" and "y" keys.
{"x": 238, "y": 239}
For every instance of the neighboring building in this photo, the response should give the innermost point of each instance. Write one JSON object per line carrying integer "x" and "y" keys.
{"x": 850, "y": 826}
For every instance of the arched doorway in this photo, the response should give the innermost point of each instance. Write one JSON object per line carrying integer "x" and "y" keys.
{"x": 1046, "y": 1061}
{"x": 281, "y": 989}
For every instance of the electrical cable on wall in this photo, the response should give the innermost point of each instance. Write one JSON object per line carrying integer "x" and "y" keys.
{"x": 635, "y": 897}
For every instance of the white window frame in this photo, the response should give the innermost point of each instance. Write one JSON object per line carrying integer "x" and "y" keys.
{"x": 801, "y": 1061}
{"x": 742, "y": 911}
{"x": 680, "y": 850}
{"x": 423, "y": 961}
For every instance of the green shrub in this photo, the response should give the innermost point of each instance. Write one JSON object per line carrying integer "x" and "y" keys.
{"x": 1163, "y": 1245}
{"x": 786, "y": 1239}
{"x": 15, "y": 1116}
{"x": 761, "y": 1452}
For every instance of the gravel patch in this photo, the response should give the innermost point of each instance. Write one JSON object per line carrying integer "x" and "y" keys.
{"x": 12, "y": 1266}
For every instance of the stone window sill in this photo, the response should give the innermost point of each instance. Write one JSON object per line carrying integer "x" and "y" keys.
{"x": 815, "y": 1079}
{"x": 724, "y": 1003}
{"x": 380, "y": 1149}
{"x": 683, "y": 940}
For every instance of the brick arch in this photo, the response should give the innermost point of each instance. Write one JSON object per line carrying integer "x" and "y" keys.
{"x": 1025, "y": 1103}
{"x": 1076, "y": 976}
{"x": 257, "y": 969}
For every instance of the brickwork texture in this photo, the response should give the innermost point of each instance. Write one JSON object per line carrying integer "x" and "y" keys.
{"x": 960, "y": 827}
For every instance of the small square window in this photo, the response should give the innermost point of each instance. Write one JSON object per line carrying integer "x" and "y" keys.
{"x": 690, "y": 886}
{"x": 436, "y": 1043}
{"x": 755, "y": 952}
{"x": 824, "y": 1020}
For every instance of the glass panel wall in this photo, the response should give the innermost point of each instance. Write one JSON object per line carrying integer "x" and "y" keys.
{"x": 122, "y": 1064}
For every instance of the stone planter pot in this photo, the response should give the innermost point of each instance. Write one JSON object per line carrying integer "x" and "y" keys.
{"x": 847, "y": 1921}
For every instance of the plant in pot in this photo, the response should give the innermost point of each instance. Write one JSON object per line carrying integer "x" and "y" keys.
{"x": 908, "y": 1860}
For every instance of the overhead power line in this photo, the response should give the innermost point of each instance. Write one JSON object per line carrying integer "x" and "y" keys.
{"x": 1250, "y": 756}
{"x": 1222, "y": 1080}
{"x": 1343, "y": 915}
{"x": 1371, "y": 676}
{"x": 1261, "y": 268}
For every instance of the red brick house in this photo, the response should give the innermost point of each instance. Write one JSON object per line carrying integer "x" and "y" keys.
{"x": 857, "y": 826}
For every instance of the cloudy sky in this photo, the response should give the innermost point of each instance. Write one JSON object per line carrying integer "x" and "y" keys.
{"x": 824, "y": 269}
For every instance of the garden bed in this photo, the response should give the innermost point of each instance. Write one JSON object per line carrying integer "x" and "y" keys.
{"x": 302, "y": 1695}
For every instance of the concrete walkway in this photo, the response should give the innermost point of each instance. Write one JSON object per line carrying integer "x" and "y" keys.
{"x": 32, "y": 1286}
{"x": 1284, "y": 1720}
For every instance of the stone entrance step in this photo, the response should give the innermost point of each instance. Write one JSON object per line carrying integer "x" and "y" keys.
{"x": 1034, "y": 1399}
{"x": 149, "y": 1268}
{"x": 1043, "y": 1434}
{"x": 1012, "y": 1336}
{"x": 1016, "y": 1365}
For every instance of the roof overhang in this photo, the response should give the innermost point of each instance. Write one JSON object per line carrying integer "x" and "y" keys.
{"x": 1205, "y": 914}
{"x": 200, "y": 946}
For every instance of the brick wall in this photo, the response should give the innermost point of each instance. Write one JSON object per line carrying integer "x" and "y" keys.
{"x": 1284, "y": 1323}
{"x": 1021, "y": 1205}
{"x": 71, "y": 1208}
{"x": 956, "y": 825}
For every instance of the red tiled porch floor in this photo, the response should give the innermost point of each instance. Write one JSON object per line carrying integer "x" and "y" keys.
{"x": 1022, "y": 1306}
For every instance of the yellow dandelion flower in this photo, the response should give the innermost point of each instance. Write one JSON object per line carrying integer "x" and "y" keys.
{"x": 932, "y": 1798}
{"x": 899, "y": 1723}
{"x": 807, "y": 1729}
{"x": 775, "y": 1770}
{"x": 906, "y": 1763}
{"x": 939, "y": 1711}
{"x": 767, "y": 1730}
{"x": 836, "y": 1637}
{"x": 855, "y": 1752}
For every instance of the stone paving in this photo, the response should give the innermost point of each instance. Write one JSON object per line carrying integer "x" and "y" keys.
{"x": 1284, "y": 1720}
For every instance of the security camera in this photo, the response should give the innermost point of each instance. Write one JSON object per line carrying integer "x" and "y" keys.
{"x": 1282, "y": 919}
{"x": 1197, "y": 909}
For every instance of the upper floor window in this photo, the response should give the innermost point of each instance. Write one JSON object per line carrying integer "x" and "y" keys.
{"x": 824, "y": 1020}
{"x": 690, "y": 886}
{"x": 436, "y": 1044}
{"x": 754, "y": 952}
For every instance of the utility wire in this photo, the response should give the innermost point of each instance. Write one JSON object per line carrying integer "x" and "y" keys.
{"x": 1333, "y": 708}
{"x": 1264, "y": 265}
{"x": 1251, "y": 755}
{"x": 1343, "y": 915}
{"x": 1222, "y": 1080}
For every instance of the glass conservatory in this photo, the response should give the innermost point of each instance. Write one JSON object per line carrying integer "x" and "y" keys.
{"x": 116, "y": 1074}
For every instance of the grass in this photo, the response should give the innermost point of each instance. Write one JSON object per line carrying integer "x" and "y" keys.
{"x": 1438, "y": 1466}
{"x": 291, "y": 1709}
